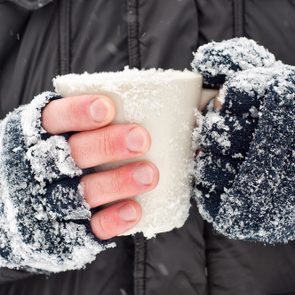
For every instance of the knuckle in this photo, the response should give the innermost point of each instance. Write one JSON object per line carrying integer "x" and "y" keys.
{"x": 106, "y": 145}
{"x": 116, "y": 185}
{"x": 73, "y": 112}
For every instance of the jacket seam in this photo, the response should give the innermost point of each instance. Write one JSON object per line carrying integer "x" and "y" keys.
{"x": 64, "y": 37}
{"x": 239, "y": 22}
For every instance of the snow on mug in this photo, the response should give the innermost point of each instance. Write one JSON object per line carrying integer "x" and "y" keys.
{"x": 164, "y": 102}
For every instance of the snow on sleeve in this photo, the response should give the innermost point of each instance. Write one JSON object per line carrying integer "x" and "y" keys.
{"x": 46, "y": 216}
{"x": 218, "y": 60}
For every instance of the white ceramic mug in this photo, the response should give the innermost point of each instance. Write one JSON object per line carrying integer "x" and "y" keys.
{"x": 163, "y": 102}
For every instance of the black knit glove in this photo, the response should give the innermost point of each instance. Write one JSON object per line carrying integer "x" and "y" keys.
{"x": 44, "y": 220}
{"x": 245, "y": 171}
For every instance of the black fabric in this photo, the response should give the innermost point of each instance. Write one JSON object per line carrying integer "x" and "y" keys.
{"x": 190, "y": 260}
{"x": 29, "y": 4}
{"x": 176, "y": 261}
{"x": 271, "y": 23}
{"x": 110, "y": 274}
{"x": 7, "y": 275}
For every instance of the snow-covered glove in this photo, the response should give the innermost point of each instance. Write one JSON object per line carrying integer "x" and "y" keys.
{"x": 245, "y": 170}
{"x": 44, "y": 219}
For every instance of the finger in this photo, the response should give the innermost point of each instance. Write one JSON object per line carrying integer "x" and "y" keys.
{"x": 207, "y": 95}
{"x": 129, "y": 180}
{"x": 217, "y": 105}
{"x": 115, "y": 219}
{"x": 77, "y": 113}
{"x": 108, "y": 144}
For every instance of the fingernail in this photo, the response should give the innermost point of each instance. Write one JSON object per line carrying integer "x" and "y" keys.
{"x": 136, "y": 140}
{"x": 144, "y": 174}
{"x": 99, "y": 110}
{"x": 128, "y": 213}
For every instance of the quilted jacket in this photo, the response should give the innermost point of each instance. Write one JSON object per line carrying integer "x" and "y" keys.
{"x": 42, "y": 38}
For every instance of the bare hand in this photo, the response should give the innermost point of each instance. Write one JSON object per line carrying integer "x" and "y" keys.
{"x": 95, "y": 143}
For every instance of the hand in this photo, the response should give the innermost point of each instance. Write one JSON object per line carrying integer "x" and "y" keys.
{"x": 244, "y": 171}
{"x": 95, "y": 143}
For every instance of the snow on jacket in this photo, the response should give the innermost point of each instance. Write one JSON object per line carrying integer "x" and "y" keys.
{"x": 40, "y": 39}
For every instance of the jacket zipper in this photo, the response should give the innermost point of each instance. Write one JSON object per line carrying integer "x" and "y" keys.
{"x": 139, "y": 264}
{"x": 134, "y": 62}
{"x": 133, "y": 42}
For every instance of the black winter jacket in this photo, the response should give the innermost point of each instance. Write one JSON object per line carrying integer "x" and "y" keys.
{"x": 41, "y": 38}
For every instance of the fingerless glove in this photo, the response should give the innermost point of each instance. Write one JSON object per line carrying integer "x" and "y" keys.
{"x": 44, "y": 219}
{"x": 245, "y": 171}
